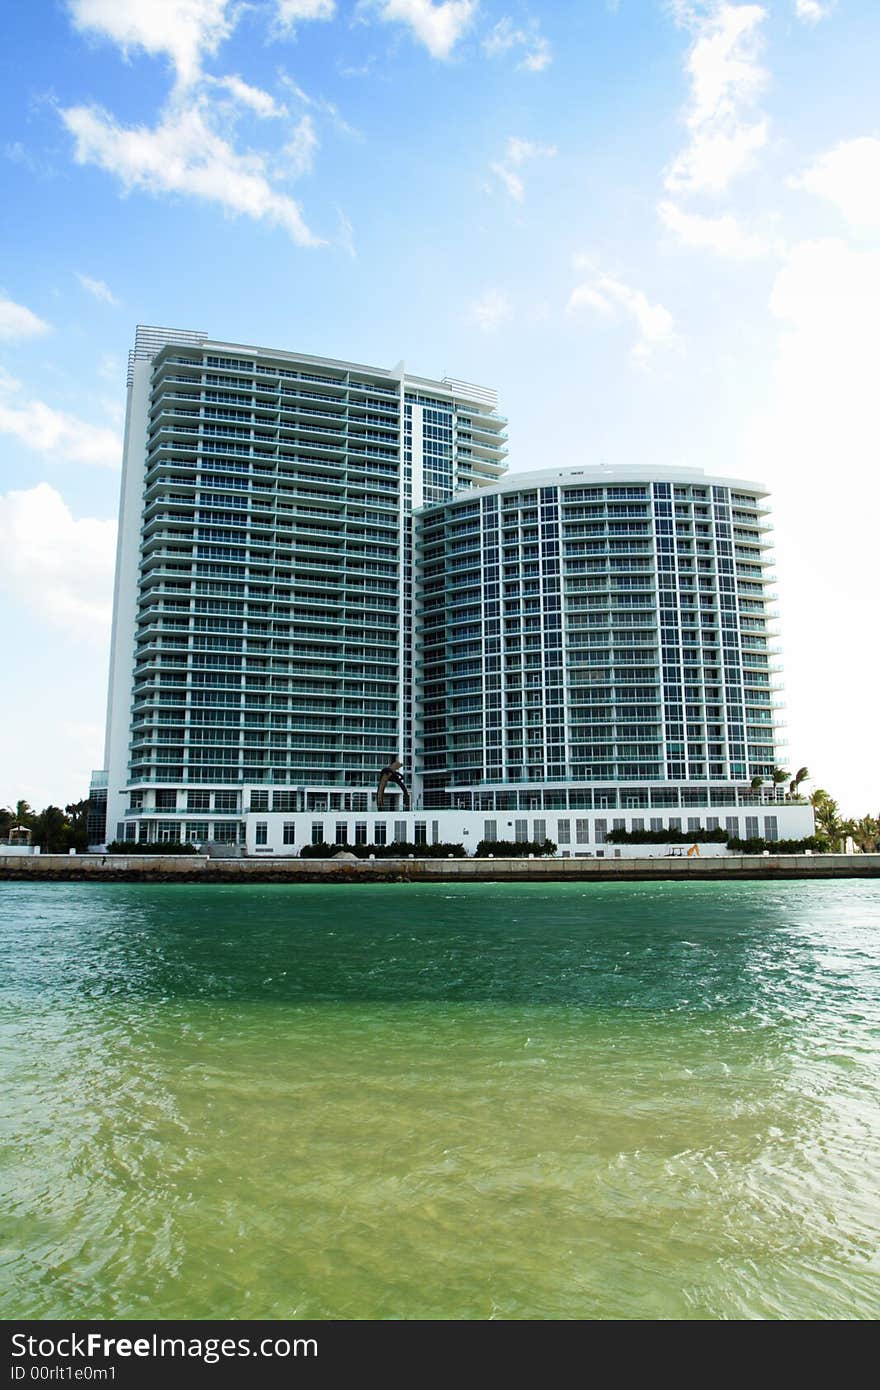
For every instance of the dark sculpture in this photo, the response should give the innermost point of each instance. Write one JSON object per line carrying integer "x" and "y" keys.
{"x": 391, "y": 773}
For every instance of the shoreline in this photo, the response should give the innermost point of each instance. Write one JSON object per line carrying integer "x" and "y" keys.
{"x": 157, "y": 868}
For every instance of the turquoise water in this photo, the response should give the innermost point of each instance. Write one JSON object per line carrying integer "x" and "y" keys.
{"x": 402, "y": 1101}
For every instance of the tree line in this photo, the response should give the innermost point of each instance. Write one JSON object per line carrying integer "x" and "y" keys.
{"x": 54, "y": 829}
{"x": 832, "y": 829}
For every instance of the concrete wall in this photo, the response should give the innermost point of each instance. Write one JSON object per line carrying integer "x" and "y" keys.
{"x": 200, "y": 869}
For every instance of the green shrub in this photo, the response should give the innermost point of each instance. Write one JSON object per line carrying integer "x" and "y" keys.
{"x": 667, "y": 837}
{"x": 398, "y": 849}
{"x": 514, "y": 849}
{"x": 130, "y": 847}
{"x": 755, "y": 844}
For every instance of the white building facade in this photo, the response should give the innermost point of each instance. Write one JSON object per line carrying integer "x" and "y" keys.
{"x": 321, "y": 566}
{"x": 599, "y": 646}
{"x": 263, "y": 621}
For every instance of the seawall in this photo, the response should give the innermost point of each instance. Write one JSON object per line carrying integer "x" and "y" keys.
{"x": 134, "y": 868}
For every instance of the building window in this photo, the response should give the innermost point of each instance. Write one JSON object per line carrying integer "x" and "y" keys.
{"x": 168, "y": 832}
{"x": 539, "y": 831}
{"x": 197, "y": 832}
{"x": 284, "y": 801}
{"x": 563, "y": 832}
{"x": 226, "y": 801}
{"x": 490, "y": 830}
{"x": 656, "y": 822}
{"x": 399, "y": 832}
{"x": 601, "y": 831}
{"x": 225, "y": 832}
{"x": 341, "y": 833}
{"x": 582, "y": 831}
{"x": 379, "y": 833}
{"x": 751, "y": 826}
{"x": 198, "y": 801}
{"x": 420, "y": 831}
{"x": 771, "y": 828}
{"x": 262, "y": 836}
{"x": 521, "y": 830}
{"x": 731, "y": 825}
{"x": 693, "y": 823}
{"x": 360, "y": 832}
{"x": 317, "y": 832}
{"x": 259, "y": 800}
{"x": 290, "y": 832}
{"x": 166, "y": 801}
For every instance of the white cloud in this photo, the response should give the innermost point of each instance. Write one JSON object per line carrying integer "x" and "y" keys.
{"x": 505, "y": 36}
{"x": 726, "y": 79}
{"x": 263, "y": 104}
{"x": 519, "y": 152}
{"x": 512, "y": 182}
{"x": 55, "y": 565}
{"x": 293, "y": 12}
{"x": 98, "y": 288}
{"x": 438, "y": 26}
{"x": 17, "y": 321}
{"x": 654, "y": 324}
{"x": 299, "y": 153}
{"x": 849, "y": 177}
{"x": 345, "y": 235}
{"x": 817, "y": 443}
{"x": 185, "y": 30}
{"x": 722, "y": 235}
{"x": 110, "y": 368}
{"x": 328, "y": 108}
{"x": 811, "y": 11}
{"x": 184, "y": 155}
{"x": 63, "y": 437}
{"x": 490, "y": 310}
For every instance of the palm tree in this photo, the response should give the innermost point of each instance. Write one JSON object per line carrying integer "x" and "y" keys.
{"x": 866, "y": 834}
{"x": 24, "y": 812}
{"x": 778, "y": 776}
{"x": 800, "y": 776}
{"x": 827, "y": 812}
{"x": 757, "y": 783}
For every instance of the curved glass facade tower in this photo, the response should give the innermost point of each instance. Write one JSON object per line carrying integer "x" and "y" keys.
{"x": 599, "y": 637}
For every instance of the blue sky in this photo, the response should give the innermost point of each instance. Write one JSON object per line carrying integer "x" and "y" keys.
{"x": 653, "y": 226}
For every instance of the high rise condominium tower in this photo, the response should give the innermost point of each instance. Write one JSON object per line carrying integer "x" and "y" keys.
{"x": 607, "y": 633}
{"x": 263, "y": 615}
{"x": 323, "y": 567}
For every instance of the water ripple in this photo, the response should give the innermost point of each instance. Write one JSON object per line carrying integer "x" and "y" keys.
{"x": 532, "y": 1101}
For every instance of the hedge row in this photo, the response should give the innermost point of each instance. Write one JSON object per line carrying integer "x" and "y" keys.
{"x": 399, "y": 849}
{"x": 666, "y": 837}
{"x": 131, "y": 847}
{"x": 757, "y": 845}
{"x": 514, "y": 849}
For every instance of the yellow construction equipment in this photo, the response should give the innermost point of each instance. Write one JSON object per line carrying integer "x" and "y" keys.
{"x": 694, "y": 849}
